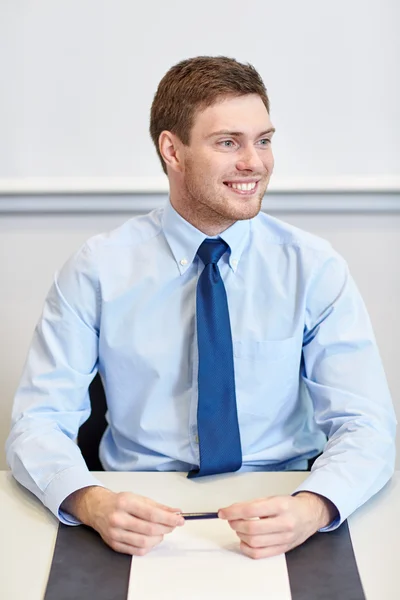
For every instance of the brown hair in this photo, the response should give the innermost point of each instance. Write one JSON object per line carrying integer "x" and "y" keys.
{"x": 194, "y": 84}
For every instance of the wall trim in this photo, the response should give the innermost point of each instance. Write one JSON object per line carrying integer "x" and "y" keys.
{"x": 139, "y": 195}
{"x": 159, "y": 185}
{"x": 273, "y": 203}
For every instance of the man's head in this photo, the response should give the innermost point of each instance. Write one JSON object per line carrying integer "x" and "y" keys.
{"x": 211, "y": 128}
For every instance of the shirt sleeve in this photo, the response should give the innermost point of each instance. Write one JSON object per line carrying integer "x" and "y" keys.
{"x": 52, "y": 400}
{"x": 343, "y": 375}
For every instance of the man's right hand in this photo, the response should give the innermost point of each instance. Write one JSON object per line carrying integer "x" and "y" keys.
{"x": 128, "y": 523}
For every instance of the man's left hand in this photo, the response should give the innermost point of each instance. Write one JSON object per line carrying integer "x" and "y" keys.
{"x": 274, "y": 525}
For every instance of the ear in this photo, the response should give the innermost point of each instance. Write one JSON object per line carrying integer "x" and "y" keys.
{"x": 170, "y": 147}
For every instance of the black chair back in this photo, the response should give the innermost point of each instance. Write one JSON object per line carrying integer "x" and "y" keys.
{"x": 91, "y": 432}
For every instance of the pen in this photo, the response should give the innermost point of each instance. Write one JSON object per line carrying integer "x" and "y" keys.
{"x": 199, "y": 515}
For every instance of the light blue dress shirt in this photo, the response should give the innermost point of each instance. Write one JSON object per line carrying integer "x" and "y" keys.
{"x": 307, "y": 367}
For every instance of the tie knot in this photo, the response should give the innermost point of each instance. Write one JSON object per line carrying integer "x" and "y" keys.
{"x": 210, "y": 251}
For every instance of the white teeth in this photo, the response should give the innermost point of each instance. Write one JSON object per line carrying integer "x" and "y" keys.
{"x": 244, "y": 187}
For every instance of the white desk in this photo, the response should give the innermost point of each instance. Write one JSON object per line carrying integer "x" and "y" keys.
{"x": 28, "y": 530}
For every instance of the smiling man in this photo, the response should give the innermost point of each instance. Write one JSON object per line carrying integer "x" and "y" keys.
{"x": 226, "y": 171}
{"x": 226, "y": 340}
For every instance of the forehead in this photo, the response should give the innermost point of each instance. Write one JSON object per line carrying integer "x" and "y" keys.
{"x": 241, "y": 113}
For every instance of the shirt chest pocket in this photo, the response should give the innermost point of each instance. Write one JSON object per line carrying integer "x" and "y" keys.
{"x": 266, "y": 374}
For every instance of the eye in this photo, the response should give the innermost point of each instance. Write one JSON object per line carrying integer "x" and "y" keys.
{"x": 226, "y": 143}
{"x": 264, "y": 142}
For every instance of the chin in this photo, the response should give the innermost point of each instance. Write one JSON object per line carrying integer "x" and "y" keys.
{"x": 246, "y": 211}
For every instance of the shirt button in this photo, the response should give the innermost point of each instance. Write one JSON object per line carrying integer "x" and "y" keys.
{"x": 196, "y": 439}
{"x": 234, "y": 262}
{"x": 184, "y": 262}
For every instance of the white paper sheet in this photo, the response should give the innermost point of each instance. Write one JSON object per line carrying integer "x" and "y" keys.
{"x": 202, "y": 560}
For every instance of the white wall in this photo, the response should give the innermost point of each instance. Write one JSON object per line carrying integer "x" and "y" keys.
{"x": 81, "y": 75}
{"x": 33, "y": 247}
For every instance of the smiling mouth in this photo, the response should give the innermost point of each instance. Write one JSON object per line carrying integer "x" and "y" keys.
{"x": 244, "y": 189}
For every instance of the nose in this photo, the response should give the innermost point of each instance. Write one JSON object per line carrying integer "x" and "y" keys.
{"x": 249, "y": 159}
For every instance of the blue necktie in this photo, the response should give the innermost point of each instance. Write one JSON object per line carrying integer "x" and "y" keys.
{"x": 217, "y": 422}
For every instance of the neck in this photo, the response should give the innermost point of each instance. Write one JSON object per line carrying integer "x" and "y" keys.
{"x": 202, "y": 217}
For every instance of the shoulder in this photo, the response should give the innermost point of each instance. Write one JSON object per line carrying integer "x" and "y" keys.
{"x": 317, "y": 262}
{"x": 136, "y": 230}
{"x": 275, "y": 231}
{"x": 106, "y": 250}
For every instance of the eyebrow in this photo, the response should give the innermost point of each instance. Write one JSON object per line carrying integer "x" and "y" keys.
{"x": 239, "y": 133}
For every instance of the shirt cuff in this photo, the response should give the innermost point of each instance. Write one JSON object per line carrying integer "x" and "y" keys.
{"x": 324, "y": 485}
{"x": 62, "y": 485}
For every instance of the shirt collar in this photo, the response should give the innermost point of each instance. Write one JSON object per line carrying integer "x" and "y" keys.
{"x": 184, "y": 239}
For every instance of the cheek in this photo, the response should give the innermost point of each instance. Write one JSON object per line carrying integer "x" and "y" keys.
{"x": 201, "y": 165}
{"x": 213, "y": 170}
{"x": 269, "y": 162}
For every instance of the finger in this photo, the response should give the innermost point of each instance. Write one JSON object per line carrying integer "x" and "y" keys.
{"x": 136, "y": 525}
{"x": 137, "y": 539}
{"x": 126, "y": 549}
{"x": 266, "y": 541}
{"x": 127, "y": 522}
{"x": 148, "y": 511}
{"x": 164, "y": 506}
{"x": 262, "y": 507}
{"x": 154, "y": 514}
{"x": 257, "y": 553}
{"x": 263, "y": 525}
